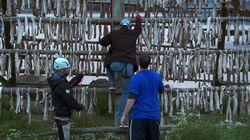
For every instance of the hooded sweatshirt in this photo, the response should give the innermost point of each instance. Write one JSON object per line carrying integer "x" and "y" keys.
{"x": 62, "y": 96}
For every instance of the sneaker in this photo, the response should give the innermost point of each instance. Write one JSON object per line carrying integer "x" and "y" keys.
{"x": 54, "y": 126}
{"x": 112, "y": 90}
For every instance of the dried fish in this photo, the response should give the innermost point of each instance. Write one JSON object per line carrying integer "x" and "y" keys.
{"x": 20, "y": 32}
{"x": 28, "y": 110}
{"x": 211, "y": 100}
{"x": 17, "y": 63}
{"x": 171, "y": 104}
{"x": 217, "y": 100}
{"x": 2, "y": 29}
{"x": 18, "y": 101}
{"x": 26, "y": 27}
{"x": 1, "y": 90}
{"x": 228, "y": 111}
{"x": 9, "y": 67}
{"x": 235, "y": 103}
{"x": 45, "y": 106}
{"x": 165, "y": 101}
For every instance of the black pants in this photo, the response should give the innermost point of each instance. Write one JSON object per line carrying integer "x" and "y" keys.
{"x": 63, "y": 129}
{"x": 144, "y": 129}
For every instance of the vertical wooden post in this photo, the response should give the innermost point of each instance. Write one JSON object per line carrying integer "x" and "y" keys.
{"x": 7, "y": 44}
{"x": 118, "y": 9}
{"x": 221, "y": 43}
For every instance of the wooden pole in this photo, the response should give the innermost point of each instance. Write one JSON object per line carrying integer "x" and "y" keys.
{"x": 221, "y": 43}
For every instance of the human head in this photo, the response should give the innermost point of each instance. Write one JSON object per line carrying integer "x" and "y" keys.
{"x": 125, "y": 22}
{"x": 144, "y": 60}
{"x": 62, "y": 64}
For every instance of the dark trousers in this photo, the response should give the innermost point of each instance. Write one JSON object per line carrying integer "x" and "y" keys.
{"x": 144, "y": 129}
{"x": 63, "y": 129}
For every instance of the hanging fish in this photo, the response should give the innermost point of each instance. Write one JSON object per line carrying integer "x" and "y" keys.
{"x": 221, "y": 99}
{"x": 38, "y": 65}
{"x": 236, "y": 32}
{"x": 37, "y": 97}
{"x": 46, "y": 66}
{"x": 9, "y": 67}
{"x": 211, "y": 100}
{"x": 18, "y": 101}
{"x": 78, "y": 8}
{"x": 171, "y": 103}
{"x": 243, "y": 36}
{"x": 12, "y": 32}
{"x": 91, "y": 105}
{"x": 20, "y": 32}
{"x": 2, "y": 27}
{"x": 110, "y": 108}
{"x": 248, "y": 36}
{"x": 28, "y": 108}
{"x": 34, "y": 30}
{"x": 242, "y": 104}
{"x": 58, "y": 7}
{"x": 26, "y": 27}
{"x": 1, "y": 90}
{"x": 177, "y": 102}
{"x": 11, "y": 100}
{"x": 9, "y": 9}
{"x": 44, "y": 7}
{"x": 45, "y": 106}
{"x": 17, "y": 63}
{"x": 27, "y": 64}
{"x": 235, "y": 102}
{"x": 84, "y": 8}
{"x": 228, "y": 30}
{"x": 217, "y": 100}
{"x": 228, "y": 111}
{"x": 165, "y": 101}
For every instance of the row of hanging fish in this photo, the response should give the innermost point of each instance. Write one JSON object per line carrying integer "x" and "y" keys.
{"x": 182, "y": 32}
{"x": 21, "y": 101}
{"x": 198, "y": 5}
{"x": 179, "y": 32}
{"x": 177, "y": 64}
{"x": 55, "y": 31}
{"x": 215, "y": 99}
{"x": 60, "y": 8}
{"x": 241, "y": 32}
{"x": 42, "y": 64}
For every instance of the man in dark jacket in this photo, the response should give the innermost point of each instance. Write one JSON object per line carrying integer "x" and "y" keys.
{"x": 62, "y": 97}
{"x": 122, "y": 57}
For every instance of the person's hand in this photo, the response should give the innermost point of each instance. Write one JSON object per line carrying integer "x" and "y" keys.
{"x": 138, "y": 17}
{"x": 122, "y": 121}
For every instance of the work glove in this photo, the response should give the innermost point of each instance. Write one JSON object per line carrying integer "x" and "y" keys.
{"x": 76, "y": 80}
{"x": 138, "y": 17}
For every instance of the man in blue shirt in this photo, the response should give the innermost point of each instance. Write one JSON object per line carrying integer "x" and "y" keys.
{"x": 144, "y": 101}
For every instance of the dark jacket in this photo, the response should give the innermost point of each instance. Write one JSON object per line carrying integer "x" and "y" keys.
{"x": 62, "y": 96}
{"x": 123, "y": 45}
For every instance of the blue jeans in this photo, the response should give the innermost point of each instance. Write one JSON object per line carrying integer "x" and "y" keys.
{"x": 126, "y": 70}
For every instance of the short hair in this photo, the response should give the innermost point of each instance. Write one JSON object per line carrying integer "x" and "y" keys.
{"x": 144, "y": 60}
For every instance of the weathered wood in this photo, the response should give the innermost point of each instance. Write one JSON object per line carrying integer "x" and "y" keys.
{"x": 103, "y": 129}
{"x": 101, "y": 90}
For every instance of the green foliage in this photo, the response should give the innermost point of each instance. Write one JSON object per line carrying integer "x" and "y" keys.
{"x": 188, "y": 127}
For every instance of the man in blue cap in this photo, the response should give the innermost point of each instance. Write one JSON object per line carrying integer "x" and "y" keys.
{"x": 62, "y": 96}
{"x": 122, "y": 57}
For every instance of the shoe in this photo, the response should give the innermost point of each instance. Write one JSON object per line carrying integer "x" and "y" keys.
{"x": 54, "y": 126}
{"x": 112, "y": 90}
